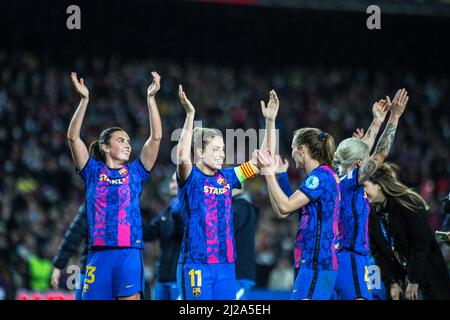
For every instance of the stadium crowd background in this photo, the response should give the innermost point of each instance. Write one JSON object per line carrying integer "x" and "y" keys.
{"x": 41, "y": 190}
{"x": 326, "y": 71}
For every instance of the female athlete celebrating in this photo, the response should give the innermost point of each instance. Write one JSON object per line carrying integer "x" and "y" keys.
{"x": 318, "y": 196}
{"x": 354, "y": 166}
{"x": 113, "y": 185}
{"x": 206, "y": 267}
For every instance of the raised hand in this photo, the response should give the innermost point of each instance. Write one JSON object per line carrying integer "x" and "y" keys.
{"x": 188, "y": 107}
{"x": 79, "y": 86}
{"x": 155, "y": 85}
{"x": 281, "y": 165}
{"x": 380, "y": 109}
{"x": 359, "y": 133}
{"x": 398, "y": 105}
{"x": 266, "y": 162}
{"x": 270, "y": 112}
{"x": 254, "y": 159}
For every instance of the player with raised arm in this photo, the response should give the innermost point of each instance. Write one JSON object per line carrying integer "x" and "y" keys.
{"x": 113, "y": 186}
{"x": 354, "y": 166}
{"x": 318, "y": 198}
{"x": 206, "y": 267}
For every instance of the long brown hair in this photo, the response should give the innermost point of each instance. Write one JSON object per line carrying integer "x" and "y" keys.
{"x": 386, "y": 177}
{"x": 95, "y": 148}
{"x": 320, "y": 144}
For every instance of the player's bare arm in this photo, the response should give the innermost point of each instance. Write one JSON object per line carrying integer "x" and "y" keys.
{"x": 184, "y": 163}
{"x": 379, "y": 111}
{"x": 150, "y": 149}
{"x": 283, "y": 206}
{"x": 396, "y": 107}
{"x": 78, "y": 148}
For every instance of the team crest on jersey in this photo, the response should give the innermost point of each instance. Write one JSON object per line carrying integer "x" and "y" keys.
{"x": 221, "y": 181}
{"x": 312, "y": 182}
{"x": 123, "y": 171}
{"x": 196, "y": 292}
{"x": 85, "y": 287}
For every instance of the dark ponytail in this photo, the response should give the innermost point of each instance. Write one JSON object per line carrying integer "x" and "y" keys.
{"x": 95, "y": 147}
{"x": 94, "y": 151}
{"x": 320, "y": 144}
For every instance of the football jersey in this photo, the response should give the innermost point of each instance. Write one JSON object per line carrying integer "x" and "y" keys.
{"x": 112, "y": 203}
{"x": 318, "y": 222}
{"x": 354, "y": 215}
{"x": 208, "y": 217}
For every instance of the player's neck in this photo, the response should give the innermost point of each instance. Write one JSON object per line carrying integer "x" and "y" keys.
{"x": 205, "y": 169}
{"x": 310, "y": 165}
{"x": 351, "y": 169}
{"x": 114, "y": 164}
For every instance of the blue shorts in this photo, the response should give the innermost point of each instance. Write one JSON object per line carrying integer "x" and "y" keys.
{"x": 166, "y": 291}
{"x": 379, "y": 294}
{"x": 351, "y": 282}
{"x": 113, "y": 273}
{"x": 314, "y": 284}
{"x": 207, "y": 281}
{"x": 79, "y": 287}
{"x": 376, "y": 286}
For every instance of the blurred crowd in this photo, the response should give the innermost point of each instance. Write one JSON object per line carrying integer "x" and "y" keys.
{"x": 40, "y": 190}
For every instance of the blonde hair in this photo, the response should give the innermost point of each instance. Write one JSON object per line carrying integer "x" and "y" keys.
{"x": 347, "y": 152}
{"x": 320, "y": 144}
{"x": 386, "y": 177}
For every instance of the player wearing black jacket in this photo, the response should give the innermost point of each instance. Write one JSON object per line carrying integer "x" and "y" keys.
{"x": 245, "y": 216}
{"x": 74, "y": 236}
{"x": 168, "y": 228}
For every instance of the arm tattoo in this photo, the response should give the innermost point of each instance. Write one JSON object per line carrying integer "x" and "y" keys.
{"x": 368, "y": 168}
{"x": 383, "y": 147}
{"x": 371, "y": 134}
{"x": 366, "y": 139}
{"x": 386, "y": 140}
